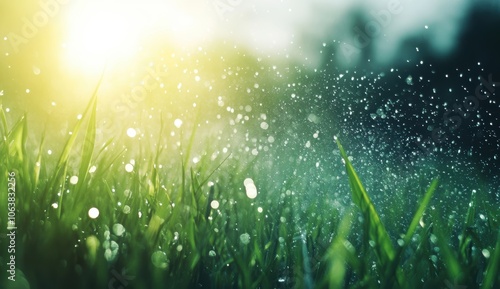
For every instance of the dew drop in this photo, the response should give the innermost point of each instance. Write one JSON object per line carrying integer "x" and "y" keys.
{"x": 159, "y": 259}
{"x": 93, "y": 213}
{"x": 129, "y": 168}
{"x": 131, "y": 132}
{"x": 486, "y": 253}
{"x": 73, "y": 180}
{"x": 177, "y": 122}
{"x": 214, "y": 204}
{"x": 245, "y": 238}
{"x": 118, "y": 229}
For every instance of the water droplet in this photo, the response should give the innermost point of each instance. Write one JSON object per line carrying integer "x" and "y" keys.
{"x": 409, "y": 80}
{"x": 434, "y": 258}
{"x": 251, "y": 191}
{"x": 73, "y": 180}
{"x": 129, "y": 168}
{"x": 211, "y": 253}
{"x": 159, "y": 259}
{"x": 118, "y": 229}
{"x": 177, "y": 123}
{"x": 313, "y": 118}
{"x": 93, "y": 213}
{"x": 131, "y": 132}
{"x": 245, "y": 238}
{"x": 110, "y": 255}
{"x": 214, "y": 204}
{"x": 486, "y": 253}
{"x": 247, "y": 182}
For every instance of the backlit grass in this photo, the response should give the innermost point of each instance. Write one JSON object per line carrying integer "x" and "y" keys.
{"x": 167, "y": 223}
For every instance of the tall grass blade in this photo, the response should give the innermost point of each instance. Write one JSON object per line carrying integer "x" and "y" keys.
{"x": 16, "y": 139}
{"x": 38, "y": 163}
{"x": 63, "y": 158}
{"x": 337, "y": 254}
{"x": 420, "y": 211}
{"x": 452, "y": 264}
{"x": 469, "y": 223}
{"x": 492, "y": 271}
{"x": 413, "y": 225}
{"x": 375, "y": 229}
{"x": 87, "y": 151}
{"x": 377, "y": 232}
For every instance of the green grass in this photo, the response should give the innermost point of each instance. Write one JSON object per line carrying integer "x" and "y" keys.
{"x": 157, "y": 229}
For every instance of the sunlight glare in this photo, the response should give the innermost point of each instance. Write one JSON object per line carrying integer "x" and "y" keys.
{"x": 100, "y": 33}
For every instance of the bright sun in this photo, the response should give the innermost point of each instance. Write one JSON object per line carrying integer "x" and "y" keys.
{"x": 99, "y": 33}
{"x": 102, "y": 32}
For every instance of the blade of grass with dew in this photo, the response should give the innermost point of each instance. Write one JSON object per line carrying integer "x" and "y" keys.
{"x": 451, "y": 261}
{"x": 413, "y": 225}
{"x": 337, "y": 254}
{"x": 192, "y": 136}
{"x": 384, "y": 249}
{"x": 38, "y": 163}
{"x": 420, "y": 211}
{"x": 469, "y": 222}
{"x": 492, "y": 271}
{"x": 16, "y": 138}
{"x": 87, "y": 152}
{"x": 63, "y": 158}
{"x": 4, "y": 148}
{"x": 377, "y": 233}
{"x": 3, "y": 119}
{"x": 61, "y": 196}
{"x": 213, "y": 172}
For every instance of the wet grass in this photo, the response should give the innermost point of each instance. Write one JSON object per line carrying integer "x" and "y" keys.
{"x": 192, "y": 226}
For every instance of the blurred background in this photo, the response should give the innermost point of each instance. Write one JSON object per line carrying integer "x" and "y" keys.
{"x": 270, "y": 79}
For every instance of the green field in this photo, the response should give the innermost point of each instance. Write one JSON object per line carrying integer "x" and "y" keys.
{"x": 88, "y": 218}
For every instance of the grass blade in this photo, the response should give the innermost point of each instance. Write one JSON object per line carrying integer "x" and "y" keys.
{"x": 377, "y": 232}
{"x": 375, "y": 229}
{"x": 492, "y": 271}
{"x": 88, "y": 150}
{"x": 420, "y": 212}
{"x": 63, "y": 158}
